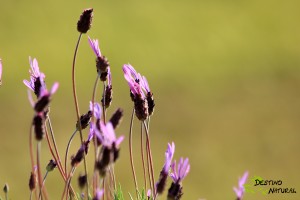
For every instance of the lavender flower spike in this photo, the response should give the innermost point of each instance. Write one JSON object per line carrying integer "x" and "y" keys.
{"x": 160, "y": 185}
{"x": 36, "y": 83}
{"x": 179, "y": 172}
{"x": 97, "y": 110}
{"x": 241, "y": 190}
{"x": 0, "y": 71}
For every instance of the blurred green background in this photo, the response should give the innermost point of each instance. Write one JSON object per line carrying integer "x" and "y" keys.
{"x": 225, "y": 75}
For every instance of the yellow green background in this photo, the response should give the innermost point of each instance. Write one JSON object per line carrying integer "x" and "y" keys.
{"x": 225, "y": 77}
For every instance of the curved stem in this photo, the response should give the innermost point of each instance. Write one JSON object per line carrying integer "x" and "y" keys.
{"x": 68, "y": 147}
{"x": 150, "y": 156}
{"x": 130, "y": 153}
{"x": 67, "y": 185}
{"x": 77, "y": 107}
{"x": 58, "y": 161}
{"x": 32, "y": 156}
{"x": 142, "y": 154}
{"x": 38, "y": 161}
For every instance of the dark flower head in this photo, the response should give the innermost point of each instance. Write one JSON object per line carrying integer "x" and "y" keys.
{"x": 240, "y": 190}
{"x": 84, "y": 120}
{"x": 36, "y": 83}
{"x": 51, "y": 166}
{"x": 32, "y": 180}
{"x": 85, "y": 21}
{"x": 116, "y": 118}
{"x": 6, "y": 188}
{"x": 82, "y": 180}
{"x": 45, "y": 98}
{"x": 108, "y": 91}
{"x": 79, "y": 155}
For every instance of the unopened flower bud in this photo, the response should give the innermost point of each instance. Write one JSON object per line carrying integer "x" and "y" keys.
{"x": 151, "y": 103}
{"x": 32, "y": 181}
{"x": 108, "y": 96}
{"x": 51, "y": 165}
{"x": 82, "y": 181}
{"x": 85, "y": 120}
{"x": 6, "y": 188}
{"x": 116, "y": 118}
{"x": 85, "y": 21}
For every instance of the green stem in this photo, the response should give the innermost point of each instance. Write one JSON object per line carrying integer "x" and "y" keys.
{"x": 77, "y": 107}
{"x": 68, "y": 147}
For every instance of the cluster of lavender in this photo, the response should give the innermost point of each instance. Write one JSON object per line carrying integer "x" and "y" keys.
{"x": 102, "y": 135}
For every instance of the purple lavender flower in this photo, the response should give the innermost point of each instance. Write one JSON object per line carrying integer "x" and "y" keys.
{"x": 107, "y": 98}
{"x": 102, "y": 63}
{"x": 36, "y": 83}
{"x": 241, "y": 190}
{"x": 140, "y": 92}
{"x": 96, "y": 109}
{"x": 160, "y": 185}
{"x": 0, "y": 71}
{"x": 110, "y": 147}
{"x": 179, "y": 172}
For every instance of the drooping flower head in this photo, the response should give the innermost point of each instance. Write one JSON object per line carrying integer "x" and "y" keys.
{"x": 160, "y": 185}
{"x": 36, "y": 83}
{"x": 102, "y": 63}
{"x": 240, "y": 190}
{"x": 179, "y": 172}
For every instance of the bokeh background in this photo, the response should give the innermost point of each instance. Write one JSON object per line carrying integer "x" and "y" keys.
{"x": 225, "y": 75}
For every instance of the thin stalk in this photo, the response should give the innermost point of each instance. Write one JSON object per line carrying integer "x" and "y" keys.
{"x": 148, "y": 163}
{"x": 38, "y": 160}
{"x": 40, "y": 195}
{"x": 142, "y": 154}
{"x": 54, "y": 144}
{"x": 77, "y": 107}
{"x": 130, "y": 153}
{"x": 150, "y": 156}
{"x": 31, "y": 155}
{"x": 6, "y": 195}
{"x": 30, "y": 196}
{"x": 67, "y": 185}
{"x": 68, "y": 147}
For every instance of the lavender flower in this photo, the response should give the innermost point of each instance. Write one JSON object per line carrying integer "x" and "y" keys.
{"x": 160, "y": 185}
{"x": 102, "y": 63}
{"x": 241, "y": 190}
{"x": 110, "y": 147}
{"x": 0, "y": 71}
{"x": 96, "y": 108}
{"x": 140, "y": 92}
{"x": 178, "y": 174}
{"x": 45, "y": 98}
{"x": 36, "y": 83}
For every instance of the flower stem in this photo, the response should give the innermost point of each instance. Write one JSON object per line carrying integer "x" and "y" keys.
{"x": 150, "y": 156}
{"x": 31, "y": 155}
{"x": 40, "y": 195}
{"x": 58, "y": 161}
{"x": 103, "y": 103}
{"x": 68, "y": 147}
{"x": 38, "y": 161}
{"x": 142, "y": 154}
{"x": 130, "y": 153}
{"x": 77, "y": 107}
